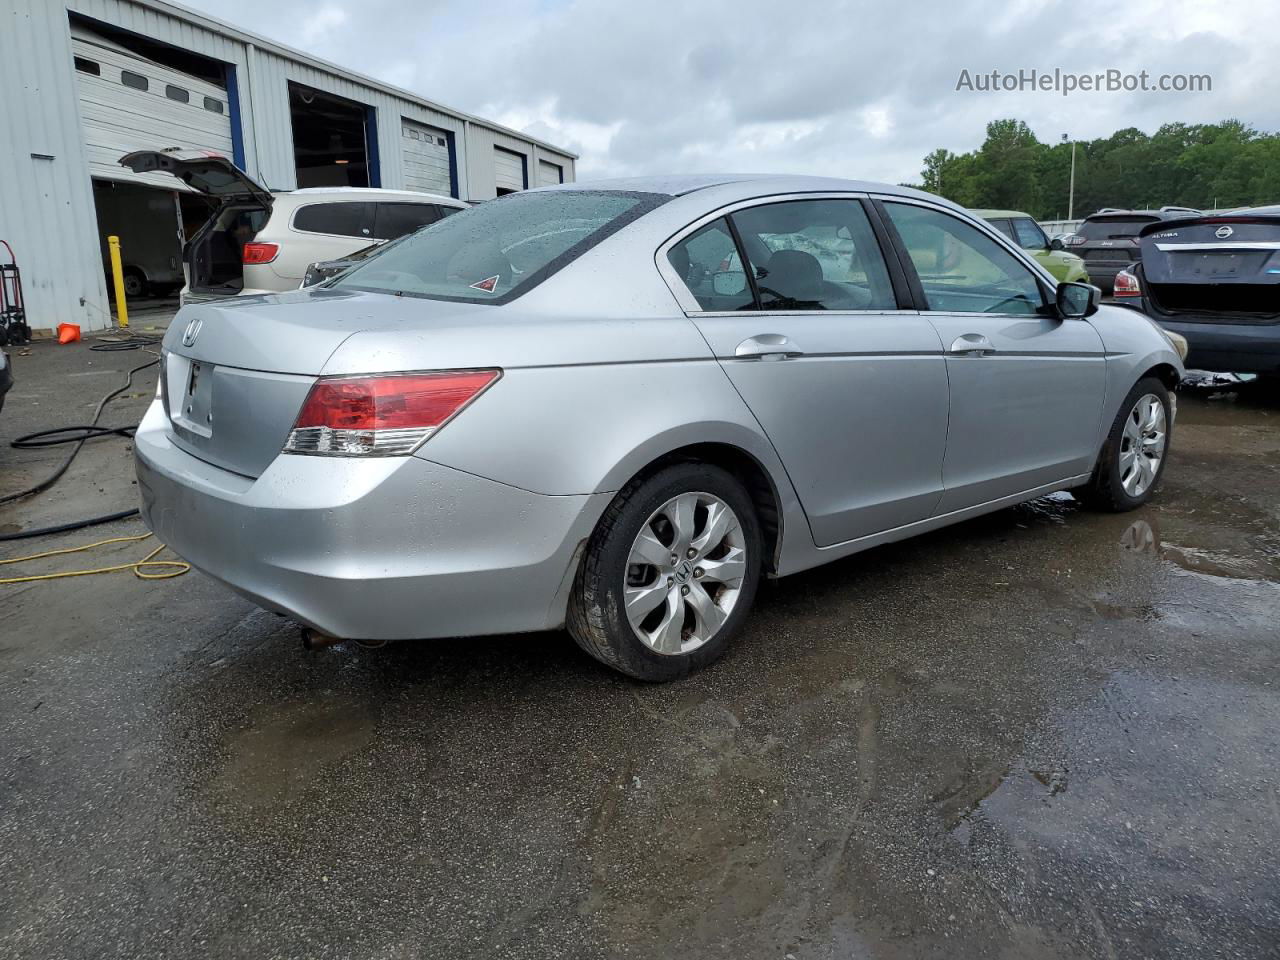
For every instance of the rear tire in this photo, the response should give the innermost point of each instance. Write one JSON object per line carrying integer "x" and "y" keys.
{"x": 135, "y": 282}
{"x": 684, "y": 548}
{"x": 1127, "y": 472}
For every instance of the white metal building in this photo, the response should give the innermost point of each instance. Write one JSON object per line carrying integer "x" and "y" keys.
{"x": 86, "y": 81}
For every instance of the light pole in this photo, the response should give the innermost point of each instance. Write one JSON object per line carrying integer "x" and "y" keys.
{"x": 1071, "y": 191}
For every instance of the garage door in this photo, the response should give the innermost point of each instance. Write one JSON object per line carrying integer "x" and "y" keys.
{"x": 508, "y": 170}
{"x": 426, "y": 158}
{"x": 130, "y": 103}
{"x": 549, "y": 174}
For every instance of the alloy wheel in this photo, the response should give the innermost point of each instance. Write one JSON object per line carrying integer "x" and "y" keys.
{"x": 1142, "y": 445}
{"x": 684, "y": 573}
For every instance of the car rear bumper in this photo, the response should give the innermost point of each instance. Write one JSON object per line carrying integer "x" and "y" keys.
{"x": 1226, "y": 347}
{"x": 369, "y": 548}
{"x": 188, "y": 296}
{"x": 1103, "y": 274}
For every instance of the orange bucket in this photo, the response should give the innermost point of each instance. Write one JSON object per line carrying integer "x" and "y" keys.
{"x": 68, "y": 332}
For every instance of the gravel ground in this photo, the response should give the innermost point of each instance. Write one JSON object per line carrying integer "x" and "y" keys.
{"x": 1044, "y": 733}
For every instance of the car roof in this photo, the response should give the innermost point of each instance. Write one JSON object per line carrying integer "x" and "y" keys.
{"x": 678, "y": 185}
{"x": 367, "y": 193}
{"x": 988, "y": 214}
{"x": 1130, "y": 214}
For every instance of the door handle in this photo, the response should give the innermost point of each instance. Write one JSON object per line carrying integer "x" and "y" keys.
{"x": 972, "y": 345}
{"x": 767, "y": 346}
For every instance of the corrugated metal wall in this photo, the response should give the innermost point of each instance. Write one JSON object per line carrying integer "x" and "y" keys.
{"x": 46, "y": 198}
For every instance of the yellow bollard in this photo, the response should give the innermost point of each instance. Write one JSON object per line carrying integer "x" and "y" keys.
{"x": 117, "y": 275}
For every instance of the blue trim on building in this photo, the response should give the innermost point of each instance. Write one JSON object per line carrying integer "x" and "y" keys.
{"x": 233, "y": 107}
{"x": 371, "y": 146}
{"x": 453, "y": 164}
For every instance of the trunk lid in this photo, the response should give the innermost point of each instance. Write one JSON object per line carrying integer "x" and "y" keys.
{"x": 203, "y": 171}
{"x": 1224, "y": 268}
{"x": 237, "y": 371}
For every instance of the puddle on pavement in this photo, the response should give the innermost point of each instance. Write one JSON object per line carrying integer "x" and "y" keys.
{"x": 285, "y": 748}
{"x": 1144, "y": 537}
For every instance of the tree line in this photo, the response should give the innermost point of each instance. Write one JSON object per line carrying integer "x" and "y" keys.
{"x": 1206, "y": 166}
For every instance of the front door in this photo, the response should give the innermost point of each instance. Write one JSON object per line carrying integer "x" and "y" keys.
{"x": 850, "y": 389}
{"x": 1026, "y": 386}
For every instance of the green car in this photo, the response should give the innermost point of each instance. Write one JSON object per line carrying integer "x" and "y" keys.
{"x": 1022, "y": 229}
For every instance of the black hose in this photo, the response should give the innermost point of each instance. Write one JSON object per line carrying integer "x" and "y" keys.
{"x": 53, "y": 478}
{"x": 53, "y": 438}
{"x": 135, "y": 342}
{"x": 73, "y": 525}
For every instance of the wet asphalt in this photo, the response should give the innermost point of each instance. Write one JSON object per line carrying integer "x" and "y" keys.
{"x": 1044, "y": 733}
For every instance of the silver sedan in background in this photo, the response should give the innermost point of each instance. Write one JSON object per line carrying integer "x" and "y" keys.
{"x": 616, "y": 405}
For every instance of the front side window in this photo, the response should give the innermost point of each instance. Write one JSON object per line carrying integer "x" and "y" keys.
{"x": 494, "y": 252}
{"x": 1028, "y": 235}
{"x": 337, "y": 219}
{"x": 961, "y": 269}
{"x": 815, "y": 255}
{"x": 707, "y": 262}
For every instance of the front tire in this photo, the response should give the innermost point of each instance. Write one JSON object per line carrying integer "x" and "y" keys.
{"x": 669, "y": 574}
{"x": 1137, "y": 448}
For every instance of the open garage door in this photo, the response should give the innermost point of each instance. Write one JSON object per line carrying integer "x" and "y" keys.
{"x": 549, "y": 174}
{"x": 509, "y": 171}
{"x": 331, "y": 137}
{"x": 425, "y": 151}
{"x": 128, "y": 102}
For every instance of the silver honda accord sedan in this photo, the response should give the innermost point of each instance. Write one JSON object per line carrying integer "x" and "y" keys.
{"x": 614, "y": 406}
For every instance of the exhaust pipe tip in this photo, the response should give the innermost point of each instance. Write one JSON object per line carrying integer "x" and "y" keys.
{"x": 315, "y": 640}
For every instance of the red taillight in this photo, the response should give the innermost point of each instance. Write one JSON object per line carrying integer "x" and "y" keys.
{"x": 384, "y": 415}
{"x": 259, "y": 252}
{"x": 1126, "y": 285}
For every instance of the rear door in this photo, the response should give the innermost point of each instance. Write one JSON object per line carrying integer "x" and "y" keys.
{"x": 798, "y": 303}
{"x": 325, "y": 230}
{"x": 1026, "y": 387}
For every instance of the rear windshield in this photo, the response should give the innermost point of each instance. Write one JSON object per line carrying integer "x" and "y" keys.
{"x": 498, "y": 250}
{"x": 1114, "y": 229}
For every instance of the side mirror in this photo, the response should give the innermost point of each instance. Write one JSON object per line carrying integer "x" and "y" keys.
{"x": 728, "y": 283}
{"x": 1057, "y": 244}
{"x": 1075, "y": 301}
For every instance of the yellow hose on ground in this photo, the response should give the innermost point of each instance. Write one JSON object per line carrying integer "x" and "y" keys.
{"x": 172, "y": 568}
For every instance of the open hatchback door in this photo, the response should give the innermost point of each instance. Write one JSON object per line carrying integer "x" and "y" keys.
{"x": 213, "y": 256}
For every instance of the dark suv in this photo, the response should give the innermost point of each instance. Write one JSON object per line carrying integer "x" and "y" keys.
{"x": 1108, "y": 240}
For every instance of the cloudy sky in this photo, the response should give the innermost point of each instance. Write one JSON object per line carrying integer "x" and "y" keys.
{"x": 846, "y": 89}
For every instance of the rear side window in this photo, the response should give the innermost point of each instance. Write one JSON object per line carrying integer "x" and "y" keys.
{"x": 815, "y": 255}
{"x": 1028, "y": 235}
{"x": 396, "y": 219}
{"x": 1005, "y": 227}
{"x": 707, "y": 262}
{"x": 337, "y": 219}
{"x": 1113, "y": 228}
{"x": 494, "y": 252}
{"x": 961, "y": 269}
